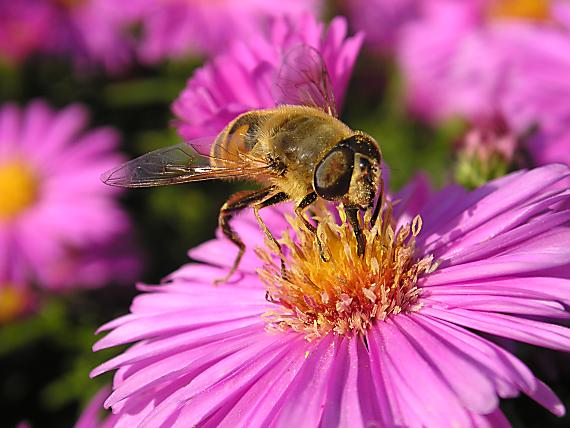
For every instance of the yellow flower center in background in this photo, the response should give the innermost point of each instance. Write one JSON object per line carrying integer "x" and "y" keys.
{"x": 13, "y": 302}
{"x": 535, "y": 10}
{"x": 18, "y": 189}
{"x": 347, "y": 293}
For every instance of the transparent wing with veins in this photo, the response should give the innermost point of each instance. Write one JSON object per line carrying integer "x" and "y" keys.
{"x": 304, "y": 80}
{"x": 182, "y": 163}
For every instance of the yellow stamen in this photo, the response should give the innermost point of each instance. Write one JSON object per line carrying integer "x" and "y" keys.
{"x": 18, "y": 189}
{"x": 347, "y": 293}
{"x": 535, "y": 10}
{"x": 13, "y": 302}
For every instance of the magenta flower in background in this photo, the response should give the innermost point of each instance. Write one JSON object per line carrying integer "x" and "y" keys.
{"x": 389, "y": 339}
{"x": 114, "y": 34}
{"x": 483, "y": 58}
{"x": 177, "y": 28}
{"x": 90, "y": 32}
{"x": 59, "y": 225}
{"x": 243, "y": 78}
{"x": 539, "y": 93}
{"x": 25, "y": 28}
{"x": 382, "y": 21}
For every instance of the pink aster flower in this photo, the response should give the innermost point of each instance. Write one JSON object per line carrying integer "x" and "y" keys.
{"x": 24, "y": 28}
{"x": 382, "y": 21}
{"x": 243, "y": 78}
{"x": 458, "y": 58}
{"x": 90, "y": 31}
{"x": 387, "y": 339}
{"x": 538, "y": 96}
{"x": 176, "y": 28}
{"x": 58, "y": 223}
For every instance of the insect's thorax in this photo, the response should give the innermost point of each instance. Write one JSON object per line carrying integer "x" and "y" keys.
{"x": 290, "y": 138}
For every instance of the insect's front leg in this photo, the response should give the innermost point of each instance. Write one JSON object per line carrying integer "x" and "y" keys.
{"x": 300, "y": 211}
{"x": 272, "y": 200}
{"x": 236, "y": 203}
{"x": 354, "y": 220}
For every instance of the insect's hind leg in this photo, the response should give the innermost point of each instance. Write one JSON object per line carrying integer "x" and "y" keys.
{"x": 233, "y": 205}
{"x": 272, "y": 200}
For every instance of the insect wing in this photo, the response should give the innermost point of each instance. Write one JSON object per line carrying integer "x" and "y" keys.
{"x": 304, "y": 80}
{"x": 173, "y": 165}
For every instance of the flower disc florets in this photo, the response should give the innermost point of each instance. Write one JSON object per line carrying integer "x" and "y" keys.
{"x": 343, "y": 292}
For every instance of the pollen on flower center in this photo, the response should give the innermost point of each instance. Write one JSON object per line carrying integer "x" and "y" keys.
{"x": 18, "y": 189}
{"x": 536, "y": 10}
{"x": 346, "y": 293}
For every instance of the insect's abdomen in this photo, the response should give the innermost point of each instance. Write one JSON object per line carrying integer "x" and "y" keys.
{"x": 236, "y": 140}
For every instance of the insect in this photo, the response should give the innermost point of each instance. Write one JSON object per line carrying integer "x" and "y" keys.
{"x": 298, "y": 151}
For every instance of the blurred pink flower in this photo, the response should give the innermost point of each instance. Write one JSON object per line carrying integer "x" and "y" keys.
{"x": 114, "y": 34}
{"x": 382, "y": 21}
{"x": 177, "y": 28}
{"x": 25, "y": 28}
{"x": 89, "y": 31}
{"x": 405, "y": 353}
{"x": 481, "y": 58}
{"x": 59, "y": 225}
{"x": 242, "y": 79}
{"x": 538, "y": 95}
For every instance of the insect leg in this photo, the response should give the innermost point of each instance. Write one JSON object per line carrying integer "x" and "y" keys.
{"x": 354, "y": 220}
{"x": 233, "y": 205}
{"x": 378, "y": 206}
{"x": 272, "y": 200}
{"x": 299, "y": 210}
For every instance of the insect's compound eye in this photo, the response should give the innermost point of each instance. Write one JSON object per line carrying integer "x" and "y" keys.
{"x": 364, "y": 164}
{"x": 333, "y": 173}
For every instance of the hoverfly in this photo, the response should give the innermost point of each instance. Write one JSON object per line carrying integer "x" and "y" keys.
{"x": 298, "y": 151}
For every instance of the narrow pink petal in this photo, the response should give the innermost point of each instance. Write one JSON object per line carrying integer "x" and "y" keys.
{"x": 263, "y": 401}
{"x": 171, "y": 323}
{"x": 473, "y": 388}
{"x": 391, "y": 411}
{"x": 222, "y": 382}
{"x": 10, "y": 119}
{"x": 500, "y": 266}
{"x": 506, "y": 304}
{"x": 179, "y": 342}
{"x": 437, "y": 403}
{"x": 554, "y": 289}
{"x": 529, "y": 331}
{"x": 309, "y": 388}
{"x": 492, "y": 241}
{"x": 495, "y": 203}
{"x": 187, "y": 364}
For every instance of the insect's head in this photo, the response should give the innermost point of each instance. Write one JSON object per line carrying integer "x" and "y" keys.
{"x": 350, "y": 172}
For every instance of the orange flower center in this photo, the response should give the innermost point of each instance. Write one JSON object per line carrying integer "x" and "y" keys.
{"x": 13, "y": 302}
{"x": 18, "y": 189}
{"x": 346, "y": 293}
{"x": 533, "y": 10}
